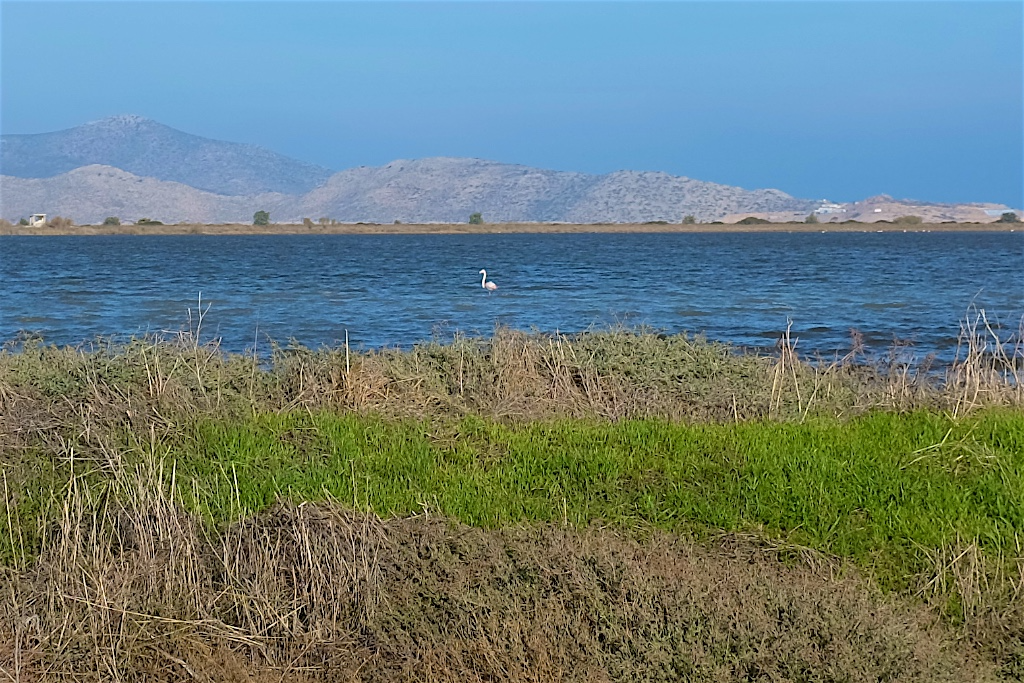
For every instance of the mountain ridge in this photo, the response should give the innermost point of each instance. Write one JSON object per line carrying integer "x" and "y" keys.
{"x": 130, "y": 166}
{"x": 426, "y": 190}
{"x": 148, "y": 148}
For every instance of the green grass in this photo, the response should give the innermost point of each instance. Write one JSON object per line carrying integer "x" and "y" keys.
{"x": 885, "y": 490}
{"x": 901, "y": 496}
{"x": 877, "y": 489}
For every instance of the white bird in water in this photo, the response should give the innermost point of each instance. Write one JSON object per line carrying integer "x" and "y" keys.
{"x": 489, "y": 286}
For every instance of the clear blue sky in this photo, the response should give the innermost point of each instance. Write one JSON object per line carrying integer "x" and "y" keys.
{"x": 820, "y": 99}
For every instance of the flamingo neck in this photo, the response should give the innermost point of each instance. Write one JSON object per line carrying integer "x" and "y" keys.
{"x": 483, "y": 280}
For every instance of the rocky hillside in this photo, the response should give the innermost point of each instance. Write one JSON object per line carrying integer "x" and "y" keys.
{"x": 421, "y": 191}
{"x": 150, "y": 149}
{"x": 448, "y": 190}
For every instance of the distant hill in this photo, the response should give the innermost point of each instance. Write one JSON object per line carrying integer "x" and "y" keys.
{"x": 91, "y": 193}
{"x": 425, "y": 190}
{"x": 147, "y": 148}
{"x": 132, "y": 167}
{"x": 449, "y": 189}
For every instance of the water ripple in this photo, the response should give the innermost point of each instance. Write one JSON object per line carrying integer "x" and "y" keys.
{"x": 388, "y": 290}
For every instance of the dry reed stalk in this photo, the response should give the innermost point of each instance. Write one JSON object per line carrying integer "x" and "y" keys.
{"x": 989, "y": 371}
{"x": 785, "y": 367}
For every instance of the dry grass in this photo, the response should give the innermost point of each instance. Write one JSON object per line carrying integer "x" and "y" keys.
{"x": 127, "y": 588}
{"x": 512, "y": 376}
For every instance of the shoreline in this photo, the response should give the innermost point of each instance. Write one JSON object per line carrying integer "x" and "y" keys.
{"x": 500, "y": 228}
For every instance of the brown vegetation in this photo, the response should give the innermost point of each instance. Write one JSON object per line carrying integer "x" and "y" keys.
{"x": 319, "y": 593}
{"x": 615, "y": 374}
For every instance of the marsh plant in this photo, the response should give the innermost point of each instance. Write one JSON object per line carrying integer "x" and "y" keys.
{"x": 614, "y": 505}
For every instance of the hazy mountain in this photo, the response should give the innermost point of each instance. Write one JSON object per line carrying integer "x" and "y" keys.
{"x": 91, "y": 193}
{"x": 425, "y": 190}
{"x": 446, "y": 189}
{"x": 151, "y": 149}
{"x": 131, "y": 167}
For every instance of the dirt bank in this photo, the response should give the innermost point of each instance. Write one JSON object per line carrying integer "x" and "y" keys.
{"x": 499, "y": 228}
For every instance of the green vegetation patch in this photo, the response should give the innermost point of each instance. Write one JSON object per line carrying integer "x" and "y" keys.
{"x": 880, "y": 489}
{"x": 208, "y": 521}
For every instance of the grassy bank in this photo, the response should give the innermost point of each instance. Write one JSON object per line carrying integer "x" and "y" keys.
{"x": 819, "y": 538}
{"x": 881, "y": 489}
{"x": 611, "y": 506}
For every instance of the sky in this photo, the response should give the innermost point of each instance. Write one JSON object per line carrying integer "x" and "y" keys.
{"x": 836, "y": 100}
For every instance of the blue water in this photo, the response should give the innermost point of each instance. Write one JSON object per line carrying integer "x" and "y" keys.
{"x": 388, "y": 290}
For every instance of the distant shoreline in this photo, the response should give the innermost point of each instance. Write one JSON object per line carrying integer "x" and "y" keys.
{"x": 502, "y": 228}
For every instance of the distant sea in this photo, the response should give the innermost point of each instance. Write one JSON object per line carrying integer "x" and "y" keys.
{"x": 398, "y": 290}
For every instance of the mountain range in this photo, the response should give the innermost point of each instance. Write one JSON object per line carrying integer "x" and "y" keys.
{"x": 132, "y": 167}
{"x": 149, "y": 149}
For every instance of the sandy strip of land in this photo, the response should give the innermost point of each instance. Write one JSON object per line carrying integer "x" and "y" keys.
{"x": 500, "y": 228}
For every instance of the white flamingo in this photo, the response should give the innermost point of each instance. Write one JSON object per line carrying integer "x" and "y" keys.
{"x": 489, "y": 286}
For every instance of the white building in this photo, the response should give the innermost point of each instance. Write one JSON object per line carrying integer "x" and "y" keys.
{"x": 830, "y": 207}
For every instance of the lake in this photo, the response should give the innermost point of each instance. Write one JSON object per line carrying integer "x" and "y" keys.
{"x": 388, "y": 290}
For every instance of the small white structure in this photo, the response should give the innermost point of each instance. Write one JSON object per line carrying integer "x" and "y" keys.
{"x": 37, "y": 220}
{"x": 829, "y": 207}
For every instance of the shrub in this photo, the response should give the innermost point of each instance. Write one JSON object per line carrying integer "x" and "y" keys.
{"x": 261, "y": 218}
{"x": 753, "y": 220}
{"x": 22, "y": 221}
{"x": 111, "y": 220}
{"x": 1009, "y": 217}
{"x": 811, "y": 218}
{"x": 148, "y": 221}
{"x": 60, "y": 223}
{"x": 689, "y": 219}
{"x": 476, "y": 219}
{"x": 909, "y": 220}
